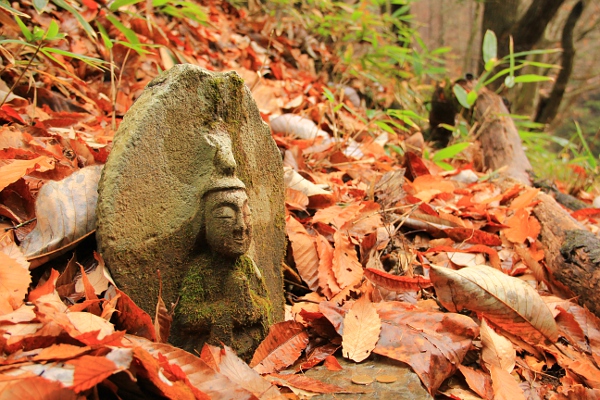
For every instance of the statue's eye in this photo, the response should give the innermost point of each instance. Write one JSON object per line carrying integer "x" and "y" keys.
{"x": 224, "y": 212}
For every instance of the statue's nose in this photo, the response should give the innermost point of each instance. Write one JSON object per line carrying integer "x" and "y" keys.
{"x": 225, "y": 162}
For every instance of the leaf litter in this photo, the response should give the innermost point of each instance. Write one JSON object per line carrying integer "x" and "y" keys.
{"x": 376, "y": 239}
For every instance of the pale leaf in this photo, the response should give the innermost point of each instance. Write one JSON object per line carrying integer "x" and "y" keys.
{"x": 85, "y": 322}
{"x": 14, "y": 282}
{"x": 16, "y": 169}
{"x": 505, "y": 386}
{"x": 497, "y": 350}
{"x": 36, "y": 387}
{"x": 362, "y": 327}
{"x": 282, "y": 346}
{"x": 65, "y": 212}
{"x": 298, "y": 126}
{"x": 305, "y": 252}
{"x": 239, "y": 372}
{"x": 507, "y": 302}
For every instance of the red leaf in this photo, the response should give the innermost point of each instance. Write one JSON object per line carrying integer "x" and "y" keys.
{"x": 473, "y": 236}
{"x": 397, "y": 283}
{"x": 281, "y": 347}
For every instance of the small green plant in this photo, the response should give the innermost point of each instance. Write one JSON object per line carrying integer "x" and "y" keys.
{"x": 40, "y": 41}
{"x": 490, "y": 51}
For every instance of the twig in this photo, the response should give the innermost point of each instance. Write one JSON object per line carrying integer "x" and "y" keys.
{"x": 37, "y": 50}
{"x": 19, "y": 225}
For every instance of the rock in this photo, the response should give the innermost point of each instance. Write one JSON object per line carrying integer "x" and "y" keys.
{"x": 194, "y": 188}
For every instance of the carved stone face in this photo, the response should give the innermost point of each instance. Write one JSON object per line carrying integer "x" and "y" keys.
{"x": 228, "y": 224}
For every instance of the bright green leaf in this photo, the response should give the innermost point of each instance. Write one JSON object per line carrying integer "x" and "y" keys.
{"x": 128, "y": 33}
{"x": 328, "y": 94}
{"x": 385, "y": 127}
{"x": 115, "y": 5}
{"x": 461, "y": 95}
{"x": 471, "y": 97}
{"x": 528, "y": 78}
{"x": 52, "y": 32}
{"x": 444, "y": 165}
{"x": 86, "y": 26}
{"x": 450, "y": 151}
{"x": 490, "y": 46}
{"x": 26, "y": 32}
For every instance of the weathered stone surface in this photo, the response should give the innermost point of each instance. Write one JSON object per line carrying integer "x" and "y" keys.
{"x": 191, "y": 134}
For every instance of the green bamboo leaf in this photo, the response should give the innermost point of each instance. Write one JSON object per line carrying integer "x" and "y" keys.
{"x": 385, "y": 127}
{"x": 128, "y": 33}
{"x": 490, "y": 47}
{"x": 26, "y": 32}
{"x": 52, "y": 32}
{"x": 94, "y": 62}
{"x": 589, "y": 155}
{"x": 105, "y": 38}
{"x": 450, "y": 151}
{"x": 461, "y": 95}
{"x": 121, "y": 3}
{"x": 5, "y": 5}
{"x": 472, "y": 97}
{"x": 528, "y": 78}
{"x": 86, "y": 26}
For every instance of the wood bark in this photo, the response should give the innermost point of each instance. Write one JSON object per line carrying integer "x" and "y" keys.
{"x": 549, "y": 107}
{"x": 500, "y": 141}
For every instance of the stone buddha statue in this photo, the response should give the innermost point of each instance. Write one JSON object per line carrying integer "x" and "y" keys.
{"x": 223, "y": 296}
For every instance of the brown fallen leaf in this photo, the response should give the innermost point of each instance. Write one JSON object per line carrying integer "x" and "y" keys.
{"x": 311, "y": 384}
{"x": 65, "y": 212}
{"x": 16, "y": 169}
{"x": 197, "y": 372}
{"x": 347, "y": 269}
{"x": 508, "y": 302}
{"x": 14, "y": 282}
{"x": 282, "y": 346}
{"x": 362, "y": 326}
{"x": 304, "y": 251}
{"x": 432, "y": 343}
{"x": 395, "y": 282}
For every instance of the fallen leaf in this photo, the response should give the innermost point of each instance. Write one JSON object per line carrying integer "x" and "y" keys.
{"x": 506, "y": 301}
{"x": 311, "y": 384}
{"x": 239, "y": 372}
{"x": 478, "y": 381}
{"x": 347, "y": 269}
{"x": 332, "y": 364}
{"x": 282, "y": 346}
{"x": 397, "y": 283}
{"x": 198, "y": 373}
{"x": 497, "y": 350}
{"x": 35, "y": 388}
{"x": 304, "y": 251}
{"x": 521, "y": 226}
{"x": 524, "y": 199}
{"x": 16, "y": 169}
{"x": 432, "y": 343}
{"x": 65, "y": 211}
{"x": 362, "y": 326}
{"x": 505, "y": 386}
{"x": 14, "y": 282}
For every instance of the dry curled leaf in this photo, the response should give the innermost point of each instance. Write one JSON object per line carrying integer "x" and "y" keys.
{"x": 397, "y": 283}
{"x": 65, "y": 212}
{"x": 497, "y": 350}
{"x": 508, "y": 302}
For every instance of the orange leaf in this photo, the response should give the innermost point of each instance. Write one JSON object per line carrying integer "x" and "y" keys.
{"x": 505, "y": 386}
{"x": 305, "y": 252}
{"x": 346, "y": 268}
{"x": 17, "y": 169}
{"x": 14, "y": 282}
{"x": 36, "y": 388}
{"x": 362, "y": 326}
{"x": 327, "y": 282}
{"x": 521, "y": 226}
{"x": 311, "y": 385}
{"x": 395, "y": 282}
{"x": 282, "y": 346}
{"x": 497, "y": 350}
{"x": 524, "y": 199}
{"x": 332, "y": 364}
{"x": 90, "y": 370}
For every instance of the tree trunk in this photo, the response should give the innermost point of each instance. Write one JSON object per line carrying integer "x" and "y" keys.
{"x": 549, "y": 107}
{"x": 499, "y": 138}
